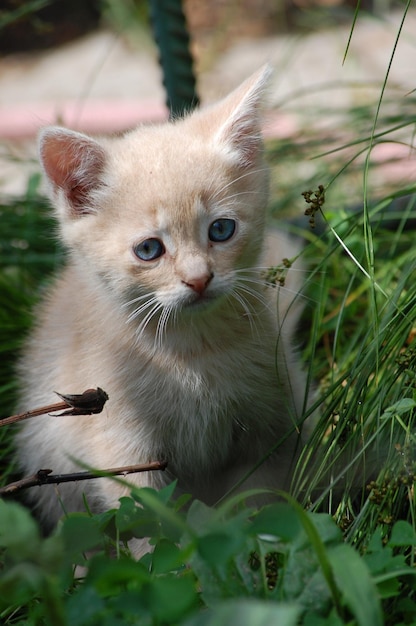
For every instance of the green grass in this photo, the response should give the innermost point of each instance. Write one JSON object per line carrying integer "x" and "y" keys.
{"x": 360, "y": 298}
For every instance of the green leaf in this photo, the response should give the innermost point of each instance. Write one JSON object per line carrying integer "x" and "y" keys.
{"x": 403, "y": 534}
{"x": 134, "y": 521}
{"x": 399, "y": 408}
{"x": 302, "y": 580}
{"x": 80, "y": 533}
{"x": 311, "y": 523}
{"x": 182, "y": 501}
{"x": 355, "y": 584}
{"x": 244, "y": 612}
{"x": 19, "y": 532}
{"x": 326, "y": 528}
{"x": 170, "y": 598}
{"x": 389, "y": 588}
{"x": 278, "y": 519}
{"x": 85, "y": 605}
{"x": 19, "y": 584}
{"x": 164, "y": 495}
{"x": 313, "y": 619}
{"x": 171, "y": 521}
{"x": 217, "y": 548}
{"x": 166, "y": 557}
{"x": 200, "y": 517}
{"x": 110, "y": 576}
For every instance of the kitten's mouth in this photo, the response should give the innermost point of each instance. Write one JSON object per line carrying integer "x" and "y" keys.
{"x": 200, "y": 301}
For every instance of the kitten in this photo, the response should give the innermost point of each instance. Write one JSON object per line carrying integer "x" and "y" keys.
{"x": 163, "y": 304}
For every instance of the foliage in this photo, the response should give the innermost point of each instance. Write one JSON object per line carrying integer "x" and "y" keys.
{"x": 230, "y": 565}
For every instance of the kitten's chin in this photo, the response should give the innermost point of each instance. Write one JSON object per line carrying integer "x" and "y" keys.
{"x": 200, "y": 303}
{"x": 203, "y": 302}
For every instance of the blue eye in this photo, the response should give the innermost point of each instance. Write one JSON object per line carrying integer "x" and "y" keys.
{"x": 149, "y": 249}
{"x": 221, "y": 230}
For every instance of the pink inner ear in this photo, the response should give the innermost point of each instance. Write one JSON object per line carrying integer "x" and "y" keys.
{"x": 72, "y": 162}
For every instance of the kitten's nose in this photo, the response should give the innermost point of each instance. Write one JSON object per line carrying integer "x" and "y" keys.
{"x": 199, "y": 283}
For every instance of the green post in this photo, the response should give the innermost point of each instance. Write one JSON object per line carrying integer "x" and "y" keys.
{"x": 172, "y": 37}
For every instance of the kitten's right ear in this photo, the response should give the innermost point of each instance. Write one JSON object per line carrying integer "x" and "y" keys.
{"x": 240, "y": 127}
{"x": 73, "y": 164}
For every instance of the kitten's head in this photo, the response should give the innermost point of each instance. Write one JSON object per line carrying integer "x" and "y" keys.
{"x": 167, "y": 217}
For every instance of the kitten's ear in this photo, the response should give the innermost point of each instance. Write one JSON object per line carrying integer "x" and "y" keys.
{"x": 73, "y": 163}
{"x": 241, "y": 130}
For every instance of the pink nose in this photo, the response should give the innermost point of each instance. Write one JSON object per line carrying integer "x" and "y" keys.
{"x": 199, "y": 283}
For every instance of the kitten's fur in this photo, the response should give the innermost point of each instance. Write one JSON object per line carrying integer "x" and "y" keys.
{"x": 194, "y": 354}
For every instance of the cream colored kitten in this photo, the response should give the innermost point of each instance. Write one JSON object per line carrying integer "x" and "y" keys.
{"x": 163, "y": 304}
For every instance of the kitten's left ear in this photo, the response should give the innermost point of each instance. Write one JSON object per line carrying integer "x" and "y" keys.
{"x": 241, "y": 130}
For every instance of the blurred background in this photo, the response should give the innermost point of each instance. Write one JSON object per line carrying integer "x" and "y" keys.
{"x": 94, "y": 66}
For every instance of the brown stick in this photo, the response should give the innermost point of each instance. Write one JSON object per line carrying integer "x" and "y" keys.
{"x": 45, "y": 476}
{"x": 90, "y": 402}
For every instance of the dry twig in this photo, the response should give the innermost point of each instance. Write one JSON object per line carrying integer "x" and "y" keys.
{"x": 45, "y": 476}
{"x": 88, "y": 403}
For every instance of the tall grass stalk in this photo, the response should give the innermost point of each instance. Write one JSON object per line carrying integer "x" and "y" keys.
{"x": 360, "y": 463}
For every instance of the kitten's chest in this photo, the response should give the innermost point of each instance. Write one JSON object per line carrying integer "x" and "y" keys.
{"x": 201, "y": 410}
{"x": 197, "y": 396}
{"x": 196, "y": 411}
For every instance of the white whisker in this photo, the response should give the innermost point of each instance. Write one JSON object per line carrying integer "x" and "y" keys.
{"x": 262, "y": 280}
{"x": 140, "y": 309}
{"x": 134, "y": 300}
{"x": 156, "y": 308}
{"x": 249, "y": 310}
{"x": 219, "y": 191}
{"x": 161, "y": 325}
{"x": 255, "y": 281}
{"x": 227, "y": 199}
{"x": 245, "y": 289}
